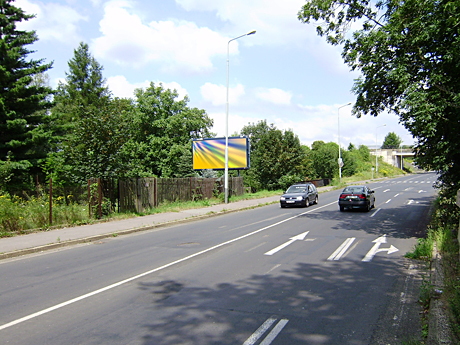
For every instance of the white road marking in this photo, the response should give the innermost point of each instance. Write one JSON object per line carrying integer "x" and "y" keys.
{"x": 386, "y": 190}
{"x": 273, "y": 268}
{"x": 275, "y": 331}
{"x": 300, "y": 237}
{"x": 396, "y": 195}
{"x": 260, "y": 331}
{"x": 112, "y": 286}
{"x": 342, "y": 249}
{"x": 375, "y": 249}
{"x": 387, "y": 201}
{"x": 377, "y": 211}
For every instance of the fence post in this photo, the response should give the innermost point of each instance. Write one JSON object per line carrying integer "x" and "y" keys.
{"x": 51, "y": 202}
{"x": 155, "y": 192}
{"x": 100, "y": 197}
{"x": 89, "y": 197}
{"x": 458, "y": 204}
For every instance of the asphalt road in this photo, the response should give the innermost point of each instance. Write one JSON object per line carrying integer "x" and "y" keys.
{"x": 263, "y": 276}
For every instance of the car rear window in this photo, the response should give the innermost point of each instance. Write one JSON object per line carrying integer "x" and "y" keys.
{"x": 353, "y": 190}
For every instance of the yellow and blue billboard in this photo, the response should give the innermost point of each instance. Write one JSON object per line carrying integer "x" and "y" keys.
{"x": 210, "y": 153}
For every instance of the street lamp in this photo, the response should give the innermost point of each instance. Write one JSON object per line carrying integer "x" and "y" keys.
{"x": 376, "y": 153}
{"x": 340, "y": 153}
{"x": 226, "y": 116}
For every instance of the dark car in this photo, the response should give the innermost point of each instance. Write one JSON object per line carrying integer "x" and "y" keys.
{"x": 357, "y": 197}
{"x": 300, "y": 194}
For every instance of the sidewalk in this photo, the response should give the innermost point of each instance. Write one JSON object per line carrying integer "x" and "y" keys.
{"x": 46, "y": 240}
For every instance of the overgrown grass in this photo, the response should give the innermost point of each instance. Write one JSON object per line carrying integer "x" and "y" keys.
{"x": 442, "y": 233}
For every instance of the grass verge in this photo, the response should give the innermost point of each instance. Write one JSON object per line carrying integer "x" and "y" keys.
{"x": 442, "y": 239}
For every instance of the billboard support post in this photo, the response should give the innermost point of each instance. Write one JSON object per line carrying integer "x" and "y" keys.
{"x": 226, "y": 117}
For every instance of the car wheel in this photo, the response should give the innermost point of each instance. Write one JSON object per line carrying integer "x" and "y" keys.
{"x": 368, "y": 208}
{"x": 342, "y": 208}
{"x": 307, "y": 202}
{"x": 316, "y": 199}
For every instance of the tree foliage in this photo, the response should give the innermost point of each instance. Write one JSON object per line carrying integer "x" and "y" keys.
{"x": 162, "y": 130}
{"x": 408, "y": 54}
{"x": 391, "y": 141}
{"x": 277, "y": 157}
{"x": 23, "y": 102}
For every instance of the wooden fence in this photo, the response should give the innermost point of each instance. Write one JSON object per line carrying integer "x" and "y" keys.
{"x": 140, "y": 194}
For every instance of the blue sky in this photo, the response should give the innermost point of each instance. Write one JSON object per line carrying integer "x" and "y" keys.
{"x": 284, "y": 74}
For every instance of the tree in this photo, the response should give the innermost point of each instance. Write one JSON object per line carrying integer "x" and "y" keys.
{"x": 22, "y": 101}
{"x": 88, "y": 126}
{"x": 279, "y": 157}
{"x": 325, "y": 159}
{"x": 161, "y": 130}
{"x": 408, "y": 54}
{"x": 392, "y": 141}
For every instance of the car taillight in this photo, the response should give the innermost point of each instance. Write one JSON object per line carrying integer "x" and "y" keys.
{"x": 362, "y": 196}
{"x": 343, "y": 196}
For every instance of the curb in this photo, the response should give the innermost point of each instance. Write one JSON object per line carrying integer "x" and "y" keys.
{"x": 439, "y": 331}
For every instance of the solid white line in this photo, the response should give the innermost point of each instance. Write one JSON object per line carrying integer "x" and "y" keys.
{"x": 96, "y": 292}
{"x": 342, "y": 249}
{"x": 373, "y": 214}
{"x": 274, "y": 333}
{"x": 260, "y": 331}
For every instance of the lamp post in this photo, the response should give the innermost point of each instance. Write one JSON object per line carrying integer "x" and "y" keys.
{"x": 340, "y": 152}
{"x": 376, "y": 152}
{"x": 226, "y": 116}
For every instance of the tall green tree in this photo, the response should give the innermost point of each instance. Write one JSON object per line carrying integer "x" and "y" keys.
{"x": 277, "y": 157}
{"x": 162, "y": 128}
{"x": 408, "y": 53}
{"x": 87, "y": 123}
{"x": 84, "y": 87}
{"x": 22, "y": 101}
{"x": 391, "y": 141}
{"x": 325, "y": 159}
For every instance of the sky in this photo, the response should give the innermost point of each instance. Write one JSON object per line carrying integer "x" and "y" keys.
{"x": 284, "y": 73}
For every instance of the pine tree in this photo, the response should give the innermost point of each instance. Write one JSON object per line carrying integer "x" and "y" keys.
{"x": 23, "y": 101}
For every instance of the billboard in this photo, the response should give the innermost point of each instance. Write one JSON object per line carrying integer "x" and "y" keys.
{"x": 210, "y": 153}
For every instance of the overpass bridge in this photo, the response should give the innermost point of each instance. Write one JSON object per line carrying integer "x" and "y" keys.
{"x": 394, "y": 157}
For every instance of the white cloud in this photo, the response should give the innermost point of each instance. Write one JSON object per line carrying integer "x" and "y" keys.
{"x": 53, "y": 22}
{"x": 273, "y": 95}
{"x": 179, "y": 46}
{"x": 122, "y": 88}
{"x": 217, "y": 94}
{"x": 274, "y": 20}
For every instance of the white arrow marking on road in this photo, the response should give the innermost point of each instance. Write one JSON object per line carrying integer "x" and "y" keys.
{"x": 300, "y": 237}
{"x": 375, "y": 249}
